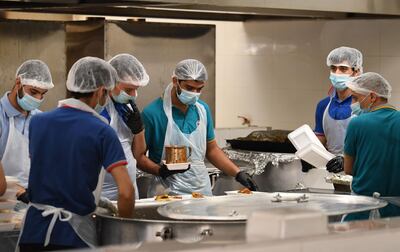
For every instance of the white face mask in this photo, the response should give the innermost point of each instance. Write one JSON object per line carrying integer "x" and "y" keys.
{"x": 187, "y": 97}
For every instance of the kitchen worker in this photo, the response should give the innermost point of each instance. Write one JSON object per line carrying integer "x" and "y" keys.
{"x": 3, "y": 182}
{"x": 32, "y": 81}
{"x": 68, "y": 147}
{"x": 333, "y": 113}
{"x": 180, "y": 118}
{"x": 372, "y": 144}
{"x": 131, "y": 75}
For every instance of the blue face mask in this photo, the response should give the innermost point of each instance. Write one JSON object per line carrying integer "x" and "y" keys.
{"x": 356, "y": 109}
{"x": 187, "y": 97}
{"x": 123, "y": 97}
{"x": 339, "y": 80}
{"x": 28, "y": 103}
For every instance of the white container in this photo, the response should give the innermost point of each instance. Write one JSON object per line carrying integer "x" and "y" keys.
{"x": 177, "y": 166}
{"x": 285, "y": 223}
{"x": 11, "y": 193}
{"x": 316, "y": 155}
{"x": 304, "y": 136}
{"x": 12, "y": 182}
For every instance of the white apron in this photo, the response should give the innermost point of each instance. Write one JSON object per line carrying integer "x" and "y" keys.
{"x": 110, "y": 188}
{"x": 196, "y": 179}
{"x": 84, "y": 226}
{"x": 335, "y": 132}
{"x": 16, "y": 161}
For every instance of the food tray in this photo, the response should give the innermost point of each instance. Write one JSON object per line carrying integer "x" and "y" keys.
{"x": 177, "y": 167}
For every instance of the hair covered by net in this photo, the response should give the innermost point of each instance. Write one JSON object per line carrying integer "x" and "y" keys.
{"x": 342, "y": 55}
{"x": 371, "y": 83}
{"x": 130, "y": 70}
{"x": 190, "y": 69}
{"x": 89, "y": 74}
{"x": 35, "y": 73}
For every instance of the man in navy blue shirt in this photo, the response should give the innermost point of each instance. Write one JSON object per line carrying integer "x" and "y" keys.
{"x": 333, "y": 113}
{"x": 68, "y": 147}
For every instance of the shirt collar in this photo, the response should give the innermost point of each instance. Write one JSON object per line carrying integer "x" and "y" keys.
{"x": 336, "y": 98}
{"x": 8, "y": 107}
{"x": 77, "y": 104}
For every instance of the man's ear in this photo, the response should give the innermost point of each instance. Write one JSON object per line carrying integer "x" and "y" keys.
{"x": 175, "y": 81}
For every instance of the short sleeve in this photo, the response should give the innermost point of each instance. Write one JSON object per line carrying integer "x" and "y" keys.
{"x": 350, "y": 141}
{"x": 210, "y": 123}
{"x": 319, "y": 114}
{"x": 112, "y": 152}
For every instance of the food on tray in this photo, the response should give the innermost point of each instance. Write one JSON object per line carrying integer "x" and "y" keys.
{"x": 197, "y": 195}
{"x": 278, "y": 136}
{"x": 166, "y": 197}
{"x": 245, "y": 191}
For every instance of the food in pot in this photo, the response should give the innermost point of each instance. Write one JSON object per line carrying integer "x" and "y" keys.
{"x": 245, "y": 191}
{"x": 197, "y": 195}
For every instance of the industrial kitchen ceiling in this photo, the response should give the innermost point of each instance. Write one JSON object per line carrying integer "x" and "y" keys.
{"x": 213, "y": 9}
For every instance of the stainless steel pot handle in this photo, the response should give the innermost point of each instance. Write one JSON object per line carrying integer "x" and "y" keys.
{"x": 214, "y": 176}
{"x": 207, "y": 232}
{"x": 165, "y": 233}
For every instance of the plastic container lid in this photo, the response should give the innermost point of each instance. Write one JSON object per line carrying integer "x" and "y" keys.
{"x": 304, "y": 136}
{"x": 315, "y": 155}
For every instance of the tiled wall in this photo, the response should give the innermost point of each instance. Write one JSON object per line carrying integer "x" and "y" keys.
{"x": 275, "y": 72}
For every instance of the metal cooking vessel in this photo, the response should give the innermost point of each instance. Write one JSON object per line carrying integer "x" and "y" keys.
{"x": 149, "y": 226}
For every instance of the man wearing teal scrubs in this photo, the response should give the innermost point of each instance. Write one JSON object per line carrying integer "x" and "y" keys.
{"x": 180, "y": 118}
{"x": 372, "y": 143}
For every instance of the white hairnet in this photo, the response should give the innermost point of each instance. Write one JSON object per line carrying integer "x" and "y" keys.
{"x": 35, "y": 73}
{"x": 130, "y": 70}
{"x": 341, "y": 55}
{"x": 370, "y": 83}
{"x": 190, "y": 69}
{"x": 89, "y": 74}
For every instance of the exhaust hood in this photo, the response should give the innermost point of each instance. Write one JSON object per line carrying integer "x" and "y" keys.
{"x": 213, "y": 9}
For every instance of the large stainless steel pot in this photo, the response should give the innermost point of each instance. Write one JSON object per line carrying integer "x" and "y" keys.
{"x": 149, "y": 226}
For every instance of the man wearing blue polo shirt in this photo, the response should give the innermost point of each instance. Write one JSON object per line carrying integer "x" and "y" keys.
{"x": 68, "y": 147}
{"x": 32, "y": 81}
{"x": 372, "y": 144}
{"x": 333, "y": 113}
{"x": 180, "y": 118}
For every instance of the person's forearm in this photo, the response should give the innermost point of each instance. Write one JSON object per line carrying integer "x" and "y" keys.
{"x": 348, "y": 164}
{"x": 126, "y": 203}
{"x": 218, "y": 158}
{"x": 322, "y": 139}
{"x": 139, "y": 149}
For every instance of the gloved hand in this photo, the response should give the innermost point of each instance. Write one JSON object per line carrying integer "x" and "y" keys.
{"x": 335, "y": 165}
{"x": 305, "y": 167}
{"x": 108, "y": 205}
{"x": 245, "y": 179}
{"x": 23, "y": 196}
{"x": 132, "y": 118}
{"x": 164, "y": 172}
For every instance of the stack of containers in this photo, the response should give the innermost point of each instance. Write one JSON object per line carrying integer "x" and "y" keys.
{"x": 309, "y": 148}
{"x": 7, "y": 204}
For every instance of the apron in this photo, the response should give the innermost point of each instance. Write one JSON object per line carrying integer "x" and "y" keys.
{"x": 110, "y": 189}
{"x": 84, "y": 226}
{"x": 16, "y": 161}
{"x": 196, "y": 179}
{"x": 335, "y": 131}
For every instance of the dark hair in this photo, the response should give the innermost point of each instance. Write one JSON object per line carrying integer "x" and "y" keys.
{"x": 76, "y": 95}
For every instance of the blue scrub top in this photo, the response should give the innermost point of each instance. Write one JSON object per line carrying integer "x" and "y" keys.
{"x": 20, "y": 120}
{"x": 338, "y": 110}
{"x": 373, "y": 140}
{"x": 155, "y": 122}
{"x": 68, "y": 147}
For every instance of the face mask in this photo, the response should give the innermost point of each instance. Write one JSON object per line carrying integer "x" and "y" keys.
{"x": 99, "y": 108}
{"x": 123, "y": 97}
{"x": 356, "y": 109}
{"x": 339, "y": 80}
{"x": 187, "y": 97}
{"x": 28, "y": 103}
